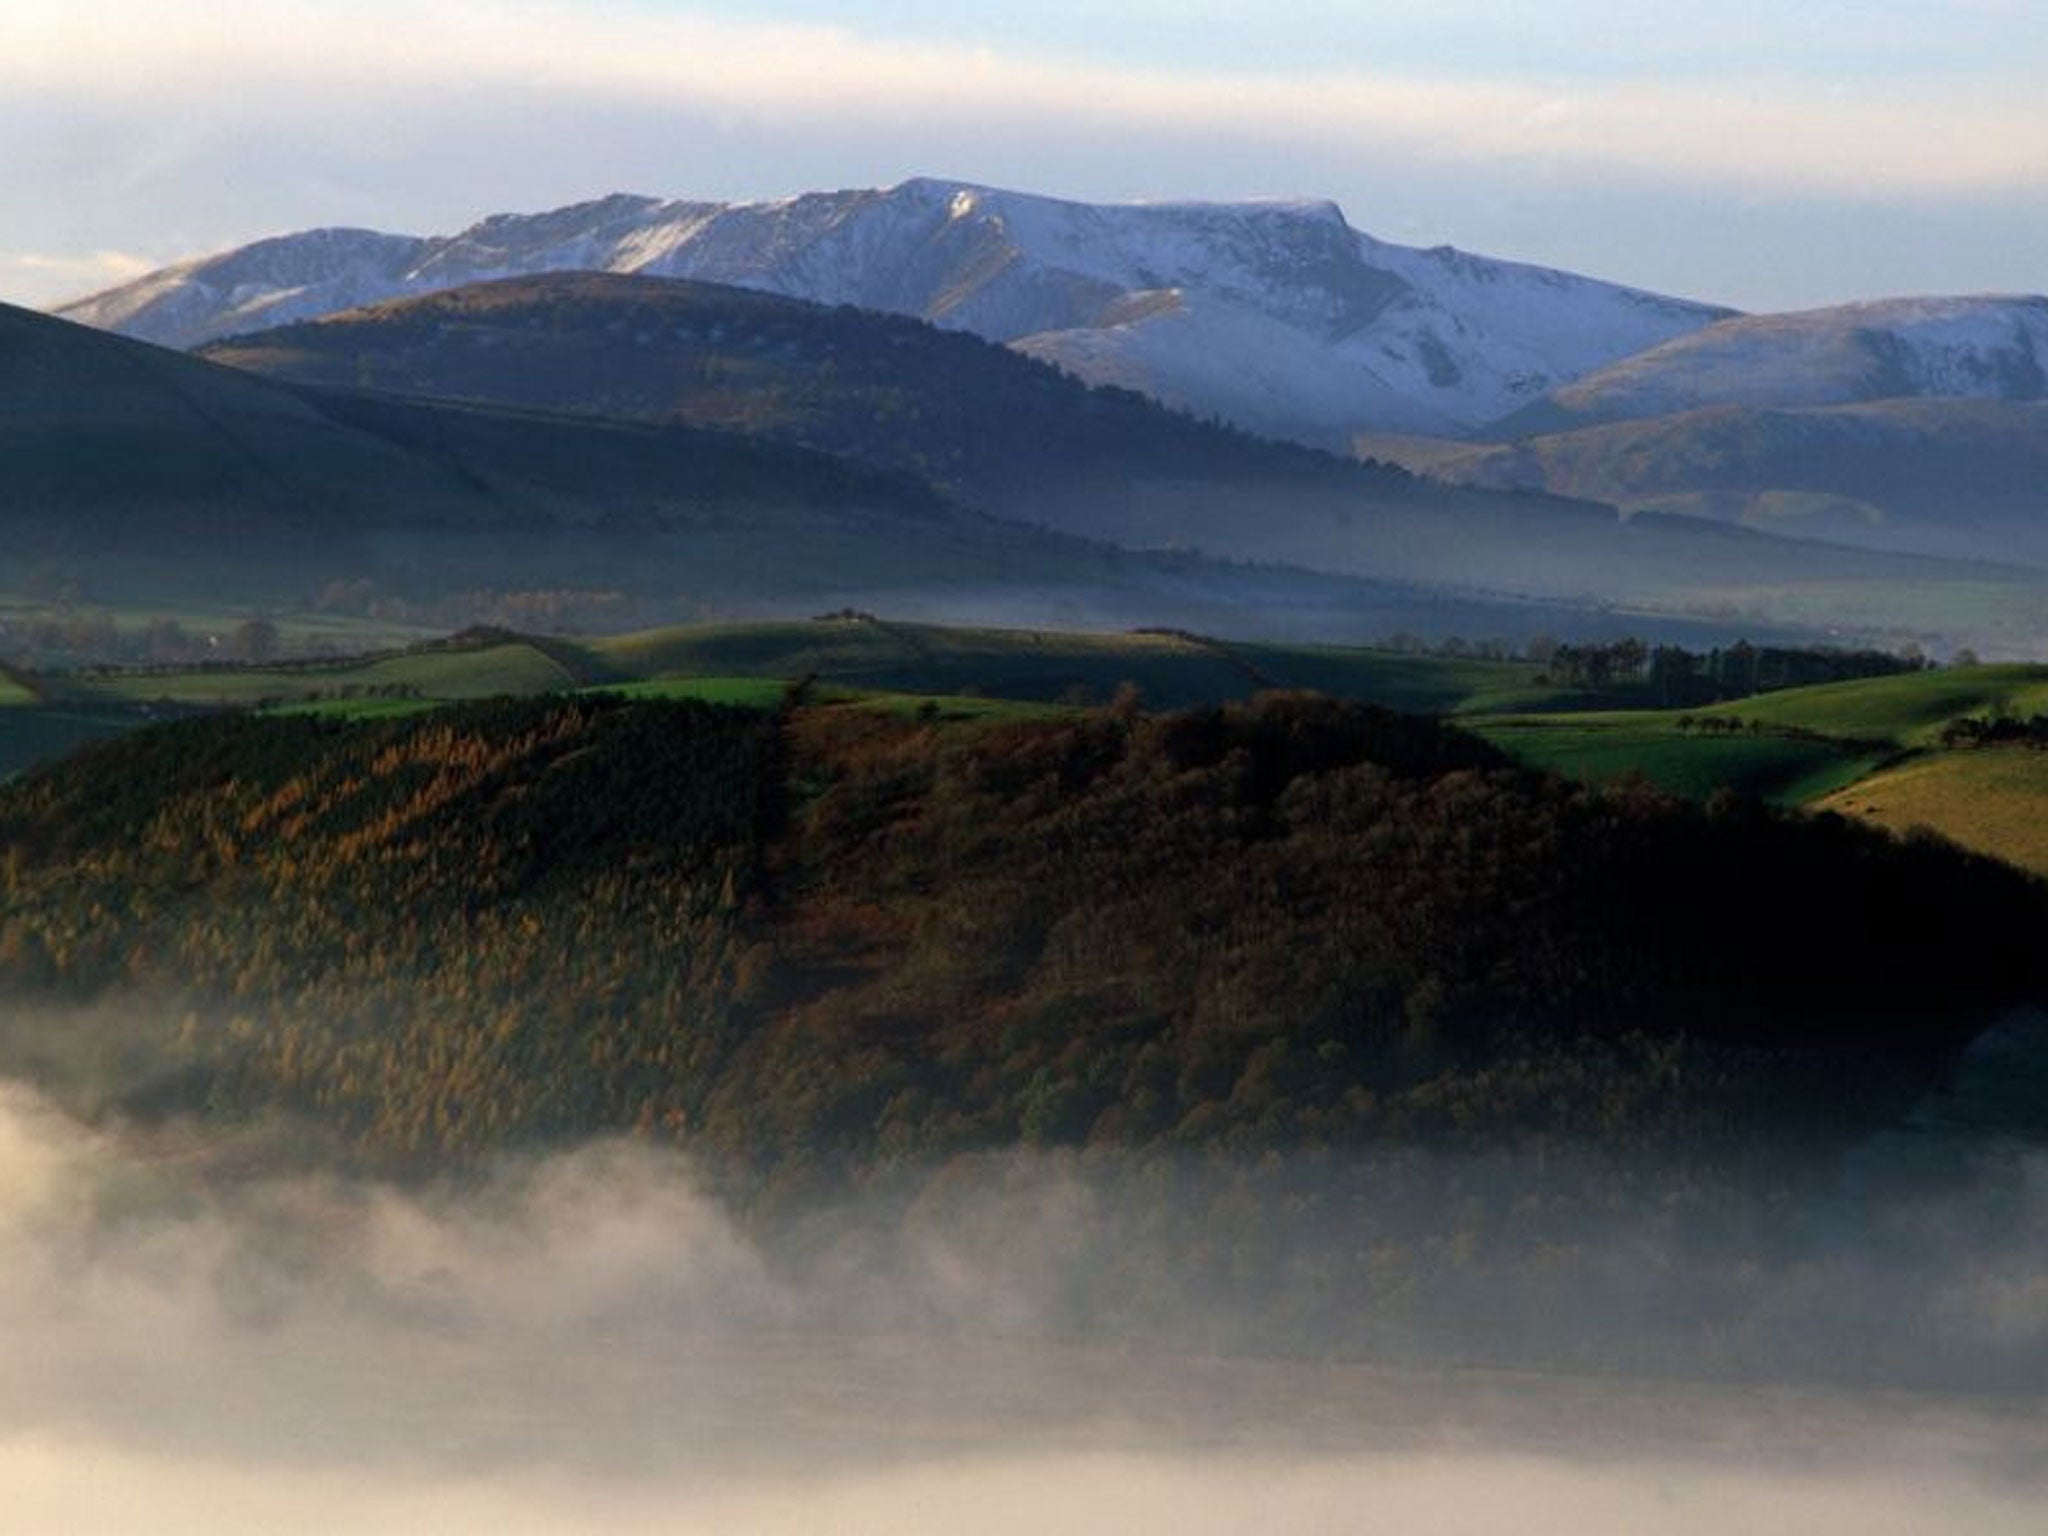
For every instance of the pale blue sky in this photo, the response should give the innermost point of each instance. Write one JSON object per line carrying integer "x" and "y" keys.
{"x": 1823, "y": 40}
{"x": 1756, "y": 152}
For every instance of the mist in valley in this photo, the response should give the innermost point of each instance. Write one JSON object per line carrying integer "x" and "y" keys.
{"x": 593, "y": 1339}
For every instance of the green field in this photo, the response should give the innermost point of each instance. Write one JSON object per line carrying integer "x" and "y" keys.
{"x": 447, "y": 675}
{"x": 1909, "y": 709}
{"x": 1044, "y": 665}
{"x": 745, "y": 692}
{"x": 766, "y": 692}
{"x": 1800, "y": 746}
{"x": 1170, "y": 670}
{"x": 1866, "y": 749}
{"x": 905, "y": 668}
{"x": 1808, "y": 742}
{"x": 1601, "y": 748}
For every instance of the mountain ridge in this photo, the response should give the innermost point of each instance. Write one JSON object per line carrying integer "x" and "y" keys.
{"x": 1963, "y": 346}
{"x": 1910, "y": 424}
{"x": 1950, "y": 477}
{"x": 1329, "y": 328}
{"x": 1034, "y": 446}
{"x": 134, "y": 475}
{"x": 150, "y": 472}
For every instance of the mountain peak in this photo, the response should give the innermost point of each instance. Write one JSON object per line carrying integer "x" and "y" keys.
{"x": 1274, "y": 314}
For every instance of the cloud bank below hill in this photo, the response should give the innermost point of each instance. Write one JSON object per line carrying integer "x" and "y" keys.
{"x": 589, "y": 1341}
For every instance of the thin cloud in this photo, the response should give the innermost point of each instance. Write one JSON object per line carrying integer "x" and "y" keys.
{"x": 272, "y": 64}
{"x": 38, "y": 276}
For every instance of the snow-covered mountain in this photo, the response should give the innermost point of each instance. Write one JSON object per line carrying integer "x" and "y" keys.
{"x": 1970, "y": 348}
{"x": 1277, "y": 316}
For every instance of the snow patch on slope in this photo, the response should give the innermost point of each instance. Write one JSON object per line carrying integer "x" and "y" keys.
{"x": 1276, "y": 315}
{"x": 1984, "y": 347}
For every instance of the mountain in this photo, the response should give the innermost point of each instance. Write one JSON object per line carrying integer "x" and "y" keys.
{"x": 1959, "y": 478}
{"x": 133, "y": 475}
{"x": 1908, "y": 424}
{"x": 142, "y": 479}
{"x": 1276, "y": 316}
{"x": 1975, "y": 348}
{"x": 1012, "y": 435}
{"x": 1020, "y": 440}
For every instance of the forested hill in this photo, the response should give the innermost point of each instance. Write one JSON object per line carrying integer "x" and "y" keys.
{"x": 790, "y": 939}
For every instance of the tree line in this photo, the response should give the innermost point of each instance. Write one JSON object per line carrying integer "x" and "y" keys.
{"x": 1674, "y": 677}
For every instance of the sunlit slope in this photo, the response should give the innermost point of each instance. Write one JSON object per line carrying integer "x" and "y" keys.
{"x": 1993, "y": 801}
{"x": 1868, "y": 748}
{"x": 1908, "y": 709}
{"x": 1793, "y": 745}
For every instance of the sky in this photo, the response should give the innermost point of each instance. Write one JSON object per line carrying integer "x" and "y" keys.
{"x": 1769, "y": 154}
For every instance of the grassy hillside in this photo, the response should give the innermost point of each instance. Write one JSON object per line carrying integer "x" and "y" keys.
{"x": 1168, "y": 668}
{"x": 1994, "y": 801}
{"x": 468, "y": 673}
{"x": 1909, "y": 709}
{"x": 1868, "y": 748}
{"x": 1791, "y": 747}
{"x": 1046, "y": 666}
{"x": 837, "y": 937}
{"x": 892, "y": 665}
{"x": 1603, "y": 748}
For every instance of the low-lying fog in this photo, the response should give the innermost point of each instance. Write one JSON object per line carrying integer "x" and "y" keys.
{"x": 589, "y": 1343}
